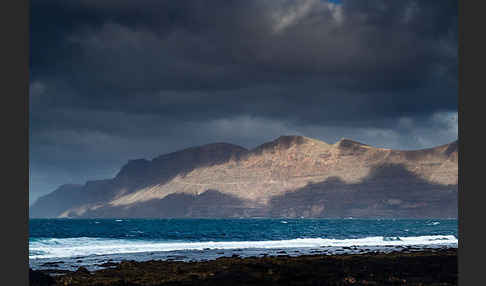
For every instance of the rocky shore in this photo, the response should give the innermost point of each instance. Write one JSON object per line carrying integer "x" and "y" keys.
{"x": 428, "y": 267}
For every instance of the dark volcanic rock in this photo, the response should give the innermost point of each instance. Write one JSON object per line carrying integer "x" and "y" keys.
{"x": 38, "y": 278}
{"x": 418, "y": 268}
{"x": 82, "y": 270}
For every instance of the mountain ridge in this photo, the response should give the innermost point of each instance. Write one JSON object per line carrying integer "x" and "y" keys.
{"x": 249, "y": 180}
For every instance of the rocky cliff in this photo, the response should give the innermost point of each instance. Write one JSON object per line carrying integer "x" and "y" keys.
{"x": 292, "y": 176}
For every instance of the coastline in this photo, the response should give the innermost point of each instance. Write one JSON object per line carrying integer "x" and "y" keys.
{"x": 423, "y": 267}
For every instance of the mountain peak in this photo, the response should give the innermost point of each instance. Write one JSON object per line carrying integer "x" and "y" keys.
{"x": 133, "y": 167}
{"x": 290, "y": 139}
{"x": 283, "y": 142}
{"x": 348, "y": 143}
{"x": 452, "y": 148}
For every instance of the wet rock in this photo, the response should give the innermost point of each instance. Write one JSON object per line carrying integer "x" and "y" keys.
{"x": 108, "y": 264}
{"x": 82, "y": 270}
{"x": 38, "y": 278}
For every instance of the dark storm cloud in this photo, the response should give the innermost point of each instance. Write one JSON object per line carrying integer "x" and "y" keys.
{"x": 130, "y": 48}
{"x": 114, "y": 80}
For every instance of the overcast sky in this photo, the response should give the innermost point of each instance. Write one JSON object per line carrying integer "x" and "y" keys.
{"x": 116, "y": 80}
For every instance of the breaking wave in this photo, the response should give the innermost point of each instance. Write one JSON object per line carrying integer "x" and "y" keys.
{"x": 85, "y": 246}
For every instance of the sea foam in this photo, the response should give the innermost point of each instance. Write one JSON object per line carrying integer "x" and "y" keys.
{"x": 85, "y": 246}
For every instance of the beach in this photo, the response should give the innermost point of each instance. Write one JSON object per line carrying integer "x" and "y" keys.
{"x": 408, "y": 267}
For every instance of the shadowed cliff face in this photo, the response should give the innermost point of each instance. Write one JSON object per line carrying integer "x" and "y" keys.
{"x": 209, "y": 204}
{"x": 140, "y": 173}
{"x": 51, "y": 205}
{"x": 292, "y": 176}
{"x": 389, "y": 191}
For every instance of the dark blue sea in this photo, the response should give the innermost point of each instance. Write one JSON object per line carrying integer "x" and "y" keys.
{"x": 70, "y": 243}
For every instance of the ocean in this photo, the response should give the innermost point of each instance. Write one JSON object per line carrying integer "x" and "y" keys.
{"x": 67, "y": 244}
